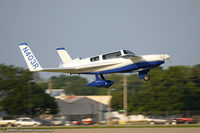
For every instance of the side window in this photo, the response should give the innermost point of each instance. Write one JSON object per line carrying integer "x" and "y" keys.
{"x": 112, "y": 55}
{"x": 94, "y": 59}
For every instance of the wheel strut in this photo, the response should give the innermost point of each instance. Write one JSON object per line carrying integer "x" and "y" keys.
{"x": 97, "y": 76}
{"x": 102, "y": 77}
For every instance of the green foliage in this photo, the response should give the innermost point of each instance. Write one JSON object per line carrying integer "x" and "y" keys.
{"x": 72, "y": 85}
{"x": 19, "y": 96}
{"x": 169, "y": 90}
{"x": 174, "y": 89}
{"x": 43, "y": 103}
{"x": 194, "y": 75}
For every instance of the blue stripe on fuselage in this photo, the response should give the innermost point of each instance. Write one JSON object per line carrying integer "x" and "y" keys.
{"x": 131, "y": 67}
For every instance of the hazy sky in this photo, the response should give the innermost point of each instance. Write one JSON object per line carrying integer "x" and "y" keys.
{"x": 91, "y": 27}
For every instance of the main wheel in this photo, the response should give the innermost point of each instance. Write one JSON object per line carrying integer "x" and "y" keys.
{"x": 18, "y": 125}
{"x": 146, "y": 78}
{"x": 152, "y": 123}
{"x": 35, "y": 125}
{"x": 166, "y": 123}
{"x": 9, "y": 125}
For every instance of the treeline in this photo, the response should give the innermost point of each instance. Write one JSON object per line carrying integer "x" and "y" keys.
{"x": 174, "y": 89}
{"x": 20, "y": 93}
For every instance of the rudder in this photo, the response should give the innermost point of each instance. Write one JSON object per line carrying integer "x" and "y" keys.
{"x": 29, "y": 57}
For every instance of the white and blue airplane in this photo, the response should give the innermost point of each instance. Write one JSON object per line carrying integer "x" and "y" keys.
{"x": 121, "y": 61}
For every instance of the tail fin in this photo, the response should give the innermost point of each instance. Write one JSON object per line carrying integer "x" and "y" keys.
{"x": 29, "y": 57}
{"x": 64, "y": 56}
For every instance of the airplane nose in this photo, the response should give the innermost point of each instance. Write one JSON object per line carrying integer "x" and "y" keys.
{"x": 165, "y": 56}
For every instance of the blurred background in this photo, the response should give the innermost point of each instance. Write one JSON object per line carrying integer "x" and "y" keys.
{"x": 171, "y": 96}
{"x": 92, "y": 27}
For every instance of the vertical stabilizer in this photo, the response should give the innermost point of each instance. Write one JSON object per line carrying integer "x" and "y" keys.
{"x": 29, "y": 57}
{"x": 64, "y": 56}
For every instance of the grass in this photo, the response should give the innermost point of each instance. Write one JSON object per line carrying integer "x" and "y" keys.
{"x": 100, "y": 126}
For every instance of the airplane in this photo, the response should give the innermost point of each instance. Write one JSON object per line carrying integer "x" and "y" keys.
{"x": 121, "y": 61}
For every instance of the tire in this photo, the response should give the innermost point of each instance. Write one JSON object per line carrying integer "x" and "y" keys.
{"x": 152, "y": 123}
{"x": 18, "y": 125}
{"x": 167, "y": 123}
{"x": 9, "y": 125}
{"x": 173, "y": 122}
{"x": 146, "y": 78}
{"x": 35, "y": 125}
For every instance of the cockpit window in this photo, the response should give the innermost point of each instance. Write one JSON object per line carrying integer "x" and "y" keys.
{"x": 112, "y": 55}
{"x": 96, "y": 58}
{"x": 128, "y": 52}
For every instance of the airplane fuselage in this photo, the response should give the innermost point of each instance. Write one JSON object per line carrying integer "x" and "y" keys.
{"x": 114, "y": 65}
{"x": 122, "y": 61}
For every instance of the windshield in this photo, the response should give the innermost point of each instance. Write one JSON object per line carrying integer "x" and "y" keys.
{"x": 128, "y": 52}
{"x": 112, "y": 55}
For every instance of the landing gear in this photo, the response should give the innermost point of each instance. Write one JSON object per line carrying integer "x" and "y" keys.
{"x": 146, "y": 78}
{"x": 100, "y": 82}
{"x": 144, "y": 75}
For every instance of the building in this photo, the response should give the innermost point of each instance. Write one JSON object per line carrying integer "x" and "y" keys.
{"x": 56, "y": 93}
{"x": 80, "y": 107}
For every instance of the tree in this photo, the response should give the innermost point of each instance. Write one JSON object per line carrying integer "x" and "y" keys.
{"x": 18, "y": 98}
{"x": 168, "y": 90}
{"x": 194, "y": 75}
{"x": 173, "y": 89}
{"x": 72, "y": 85}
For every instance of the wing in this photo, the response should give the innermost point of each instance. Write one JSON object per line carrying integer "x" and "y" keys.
{"x": 64, "y": 69}
{"x": 79, "y": 69}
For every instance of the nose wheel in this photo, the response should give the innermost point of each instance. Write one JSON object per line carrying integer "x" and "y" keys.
{"x": 146, "y": 78}
{"x": 144, "y": 75}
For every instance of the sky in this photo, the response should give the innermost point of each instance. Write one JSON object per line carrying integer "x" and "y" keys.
{"x": 91, "y": 27}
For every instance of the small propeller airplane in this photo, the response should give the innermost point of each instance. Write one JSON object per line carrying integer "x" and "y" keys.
{"x": 121, "y": 61}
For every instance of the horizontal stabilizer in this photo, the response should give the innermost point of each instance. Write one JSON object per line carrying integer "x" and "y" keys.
{"x": 64, "y": 56}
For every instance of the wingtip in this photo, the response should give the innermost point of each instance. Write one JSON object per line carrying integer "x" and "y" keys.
{"x": 22, "y": 44}
{"x": 60, "y": 48}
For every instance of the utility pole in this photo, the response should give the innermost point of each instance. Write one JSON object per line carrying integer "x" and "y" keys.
{"x": 125, "y": 94}
{"x": 108, "y": 107}
{"x": 50, "y": 85}
{"x": 100, "y": 111}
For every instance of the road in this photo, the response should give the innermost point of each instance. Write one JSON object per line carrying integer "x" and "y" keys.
{"x": 106, "y": 130}
{"x": 130, "y": 130}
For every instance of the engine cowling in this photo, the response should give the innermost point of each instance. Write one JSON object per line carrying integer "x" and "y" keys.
{"x": 101, "y": 83}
